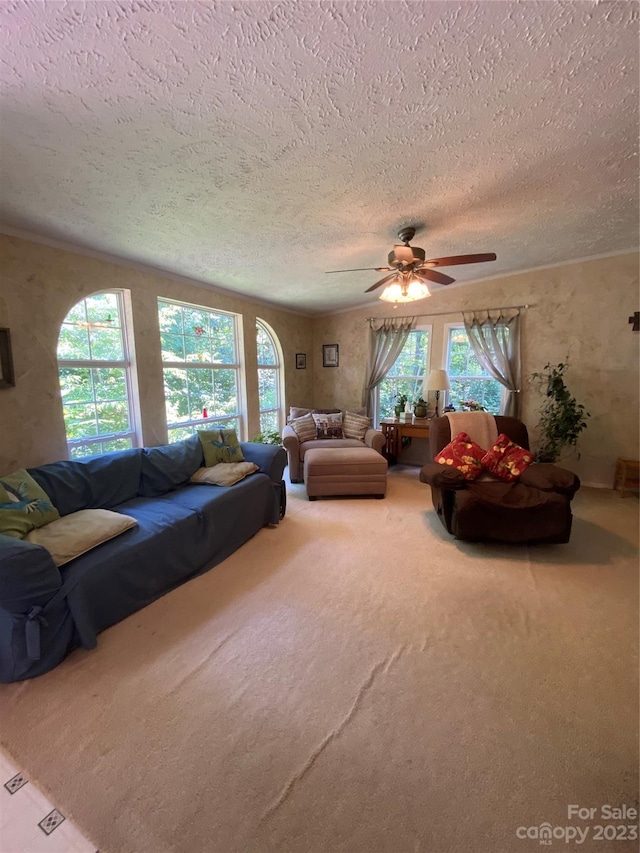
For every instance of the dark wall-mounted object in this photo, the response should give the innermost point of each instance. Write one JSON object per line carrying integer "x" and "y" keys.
{"x": 301, "y": 361}
{"x": 7, "y": 379}
{"x": 635, "y": 319}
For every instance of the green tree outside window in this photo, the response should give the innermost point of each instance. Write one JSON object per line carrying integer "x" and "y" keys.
{"x": 406, "y": 375}
{"x": 93, "y": 371}
{"x": 201, "y": 370}
{"x": 268, "y": 379}
{"x": 468, "y": 378}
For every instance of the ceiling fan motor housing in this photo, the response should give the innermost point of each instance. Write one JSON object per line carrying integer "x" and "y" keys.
{"x": 403, "y": 255}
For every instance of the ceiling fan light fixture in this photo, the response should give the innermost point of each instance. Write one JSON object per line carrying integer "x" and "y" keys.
{"x": 392, "y": 293}
{"x": 401, "y": 291}
{"x": 417, "y": 290}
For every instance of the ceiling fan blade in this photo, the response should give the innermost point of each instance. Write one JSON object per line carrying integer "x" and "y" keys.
{"x": 362, "y": 269}
{"x": 461, "y": 259}
{"x": 382, "y": 281}
{"x": 432, "y": 275}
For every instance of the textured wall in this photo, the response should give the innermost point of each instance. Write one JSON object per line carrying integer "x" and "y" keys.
{"x": 578, "y": 309}
{"x": 38, "y": 287}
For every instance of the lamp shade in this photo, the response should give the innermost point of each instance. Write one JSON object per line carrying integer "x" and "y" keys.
{"x": 437, "y": 380}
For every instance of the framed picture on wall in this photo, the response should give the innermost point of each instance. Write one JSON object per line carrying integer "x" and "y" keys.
{"x": 330, "y": 355}
{"x": 7, "y": 379}
{"x": 301, "y": 360}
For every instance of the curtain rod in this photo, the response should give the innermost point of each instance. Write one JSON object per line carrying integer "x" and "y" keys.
{"x": 441, "y": 313}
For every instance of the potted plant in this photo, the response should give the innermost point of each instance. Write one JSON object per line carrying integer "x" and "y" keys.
{"x": 562, "y": 418}
{"x": 471, "y": 406}
{"x": 400, "y": 404}
{"x": 420, "y": 408}
{"x": 267, "y": 436}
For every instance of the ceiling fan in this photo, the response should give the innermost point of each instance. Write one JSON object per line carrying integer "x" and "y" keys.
{"x": 410, "y": 271}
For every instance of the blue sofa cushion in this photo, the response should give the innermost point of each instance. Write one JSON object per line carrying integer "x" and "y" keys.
{"x": 114, "y": 477}
{"x": 98, "y": 482}
{"x": 179, "y": 535}
{"x": 167, "y": 467}
{"x": 66, "y": 483}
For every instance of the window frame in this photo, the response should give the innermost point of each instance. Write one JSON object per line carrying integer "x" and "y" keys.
{"x": 210, "y": 420}
{"x": 126, "y": 364}
{"x": 420, "y": 327}
{"x": 485, "y": 377}
{"x": 277, "y": 368}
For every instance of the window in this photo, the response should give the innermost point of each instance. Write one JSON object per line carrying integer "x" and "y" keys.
{"x": 268, "y": 379}
{"x": 94, "y": 372}
{"x": 468, "y": 378}
{"x": 406, "y": 375}
{"x": 201, "y": 369}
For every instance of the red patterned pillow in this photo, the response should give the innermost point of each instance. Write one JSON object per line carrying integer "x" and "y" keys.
{"x": 463, "y": 454}
{"x": 507, "y": 460}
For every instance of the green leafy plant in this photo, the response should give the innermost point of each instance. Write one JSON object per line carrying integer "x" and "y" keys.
{"x": 420, "y": 408}
{"x": 471, "y": 406}
{"x": 562, "y": 418}
{"x": 267, "y": 436}
{"x": 400, "y": 404}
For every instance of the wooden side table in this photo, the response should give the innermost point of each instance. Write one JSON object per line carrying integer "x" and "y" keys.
{"x": 627, "y": 476}
{"x": 394, "y": 431}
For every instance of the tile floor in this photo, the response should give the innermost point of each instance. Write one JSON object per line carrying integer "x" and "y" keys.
{"x": 29, "y": 823}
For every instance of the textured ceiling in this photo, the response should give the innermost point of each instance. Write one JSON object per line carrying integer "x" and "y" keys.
{"x": 254, "y": 145}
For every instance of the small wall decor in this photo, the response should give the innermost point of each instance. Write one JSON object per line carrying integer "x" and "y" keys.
{"x": 301, "y": 361}
{"x": 7, "y": 379}
{"x": 330, "y": 355}
{"x": 635, "y": 319}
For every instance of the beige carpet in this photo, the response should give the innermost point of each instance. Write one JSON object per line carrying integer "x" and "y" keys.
{"x": 354, "y": 680}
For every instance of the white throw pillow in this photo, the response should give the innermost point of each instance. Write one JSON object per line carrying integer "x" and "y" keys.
{"x": 355, "y": 425}
{"x": 72, "y": 535}
{"x": 224, "y": 473}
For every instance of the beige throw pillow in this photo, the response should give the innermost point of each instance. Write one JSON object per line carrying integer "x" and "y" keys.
{"x": 297, "y": 412}
{"x": 305, "y": 428}
{"x": 224, "y": 473}
{"x": 355, "y": 425}
{"x": 72, "y": 535}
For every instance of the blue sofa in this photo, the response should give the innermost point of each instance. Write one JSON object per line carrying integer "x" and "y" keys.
{"x": 182, "y": 531}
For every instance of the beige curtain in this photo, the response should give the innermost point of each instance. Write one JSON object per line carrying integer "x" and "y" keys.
{"x": 495, "y": 341}
{"x": 385, "y": 345}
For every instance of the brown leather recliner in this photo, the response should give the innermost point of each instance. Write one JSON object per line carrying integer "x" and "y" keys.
{"x": 534, "y": 509}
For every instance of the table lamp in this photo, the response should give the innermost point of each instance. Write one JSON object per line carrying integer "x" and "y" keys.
{"x": 436, "y": 381}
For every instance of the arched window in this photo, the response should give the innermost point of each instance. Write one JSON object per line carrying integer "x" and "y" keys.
{"x": 269, "y": 379}
{"x": 94, "y": 371}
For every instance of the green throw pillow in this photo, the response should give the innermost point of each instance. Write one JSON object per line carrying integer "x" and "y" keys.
{"x": 220, "y": 445}
{"x": 23, "y": 505}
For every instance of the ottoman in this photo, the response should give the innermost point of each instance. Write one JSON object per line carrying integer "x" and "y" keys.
{"x": 345, "y": 471}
